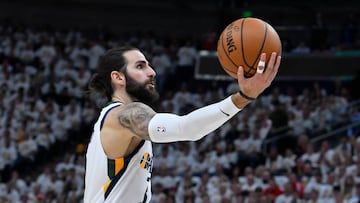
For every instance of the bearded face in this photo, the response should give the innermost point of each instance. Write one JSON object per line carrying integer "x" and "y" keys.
{"x": 140, "y": 92}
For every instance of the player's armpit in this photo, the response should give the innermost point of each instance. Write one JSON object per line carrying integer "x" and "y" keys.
{"x": 135, "y": 117}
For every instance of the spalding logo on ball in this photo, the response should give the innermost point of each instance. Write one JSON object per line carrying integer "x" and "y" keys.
{"x": 242, "y": 42}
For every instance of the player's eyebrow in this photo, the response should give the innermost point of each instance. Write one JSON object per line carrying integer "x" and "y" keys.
{"x": 141, "y": 62}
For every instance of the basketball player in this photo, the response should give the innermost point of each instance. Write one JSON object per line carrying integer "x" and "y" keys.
{"x": 119, "y": 156}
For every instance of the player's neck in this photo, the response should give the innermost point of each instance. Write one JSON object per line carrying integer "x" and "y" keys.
{"x": 121, "y": 98}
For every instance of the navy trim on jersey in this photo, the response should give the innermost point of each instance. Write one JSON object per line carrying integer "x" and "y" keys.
{"x": 103, "y": 118}
{"x": 127, "y": 160}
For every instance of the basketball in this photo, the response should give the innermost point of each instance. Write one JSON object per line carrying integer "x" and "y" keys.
{"x": 242, "y": 42}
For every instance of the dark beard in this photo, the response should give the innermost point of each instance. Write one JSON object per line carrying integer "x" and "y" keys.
{"x": 139, "y": 92}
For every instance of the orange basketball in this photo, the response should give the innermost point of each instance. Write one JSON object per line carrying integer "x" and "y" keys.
{"x": 242, "y": 42}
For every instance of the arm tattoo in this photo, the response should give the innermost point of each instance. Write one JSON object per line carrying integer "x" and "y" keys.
{"x": 136, "y": 117}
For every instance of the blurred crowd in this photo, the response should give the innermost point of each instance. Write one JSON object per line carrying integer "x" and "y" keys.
{"x": 46, "y": 118}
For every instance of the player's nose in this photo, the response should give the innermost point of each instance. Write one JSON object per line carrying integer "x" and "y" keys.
{"x": 151, "y": 72}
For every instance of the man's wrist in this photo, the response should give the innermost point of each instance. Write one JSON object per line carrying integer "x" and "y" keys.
{"x": 239, "y": 101}
{"x": 246, "y": 96}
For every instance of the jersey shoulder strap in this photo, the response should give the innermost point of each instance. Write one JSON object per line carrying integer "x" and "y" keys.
{"x": 107, "y": 109}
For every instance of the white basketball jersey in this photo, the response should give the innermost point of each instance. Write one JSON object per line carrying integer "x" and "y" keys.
{"x": 125, "y": 179}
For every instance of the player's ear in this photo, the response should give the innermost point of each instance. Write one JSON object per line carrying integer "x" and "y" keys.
{"x": 117, "y": 77}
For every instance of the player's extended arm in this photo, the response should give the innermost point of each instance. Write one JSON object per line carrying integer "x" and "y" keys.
{"x": 166, "y": 127}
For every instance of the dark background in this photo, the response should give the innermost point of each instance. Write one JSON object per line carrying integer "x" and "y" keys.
{"x": 321, "y": 24}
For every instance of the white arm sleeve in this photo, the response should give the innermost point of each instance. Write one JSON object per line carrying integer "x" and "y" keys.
{"x": 166, "y": 127}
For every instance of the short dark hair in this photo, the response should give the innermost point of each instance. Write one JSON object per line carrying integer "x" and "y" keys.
{"x": 100, "y": 88}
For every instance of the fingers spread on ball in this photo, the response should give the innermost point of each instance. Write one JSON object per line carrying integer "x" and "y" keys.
{"x": 271, "y": 64}
{"x": 240, "y": 73}
{"x": 274, "y": 67}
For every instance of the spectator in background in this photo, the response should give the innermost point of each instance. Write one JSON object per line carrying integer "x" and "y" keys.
{"x": 209, "y": 41}
{"x": 297, "y": 186}
{"x": 279, "y": 118}
{"x": 326, "y": 155}
{"x": 310, "y": 155}
{"x": 186, "y": 188}
{"x": 164, "y": 68}
{"x": 348, "y": 187}
{"x": 27, "y": 54}
{"x": 301, "y": 48}
{"x": 182, "y": 98}
{"x": 287, "y": 196}
{"x": 344, "y": 145}
{"x": 301, "y": 145}
{"x": 8, "y": 154}
{"x": 313, "y": 197}
{"x": 12, "y": 192}
{"x": 274, "y": 161}
{"x": 184, "y": 160}
{"x": 289, "y": 160}
{"x": 316, "y": 184}
{"x": 81, "y": 78}
{"x": 27, "y": 152}
{"x": 230, "y": 131}
{"x": 186, "y": 57}
{"x": 304, "y": 170}
{"x": 244, "y": 175}
{"x": 95, "y": 52}
{"x": 158, "y": 193}
{"x": 46, "y": 53}
{"x": 337, "y": 197}
{"x": 253, "y": 196}
{"x": 254, "y": 152}
{"x": 273, "y": 191}
{"x": 356, "y": 196}
{"x": 250, "y": 184}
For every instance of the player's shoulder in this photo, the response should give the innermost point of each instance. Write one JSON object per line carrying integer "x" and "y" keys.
{"x": 131, "y": 109}
{"x": 115, "y": 110}
{"x": 135, "y": 108}
{"x": 111, "y": 120}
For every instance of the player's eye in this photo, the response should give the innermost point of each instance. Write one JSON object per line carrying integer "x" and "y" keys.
{"x": 139, "y": 66}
